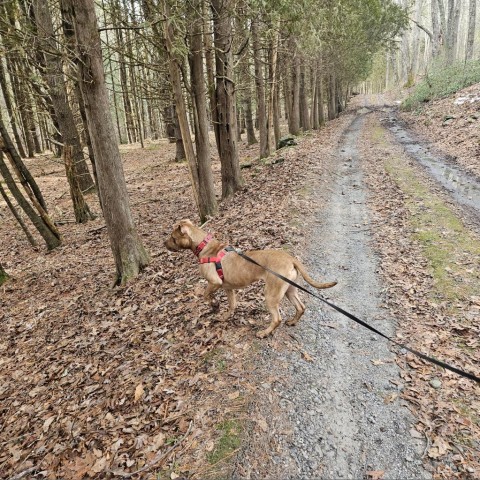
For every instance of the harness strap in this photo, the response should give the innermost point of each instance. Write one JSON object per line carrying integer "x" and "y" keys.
{"x": 202, "y": 244}
{"x": 217, "y": 260}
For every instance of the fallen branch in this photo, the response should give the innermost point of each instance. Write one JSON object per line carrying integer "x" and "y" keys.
{"x": 20, "y": 475}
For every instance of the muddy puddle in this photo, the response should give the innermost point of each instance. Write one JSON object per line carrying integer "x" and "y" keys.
{"x": 464, "y": 187}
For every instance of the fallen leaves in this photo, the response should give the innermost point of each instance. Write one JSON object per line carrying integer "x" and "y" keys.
{"x": 445, "y": 405}
{"x": 139, "y": 391}
{"x": 94, "y": 380}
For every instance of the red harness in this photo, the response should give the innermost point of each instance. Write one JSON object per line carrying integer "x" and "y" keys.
{"x": 216, "y": 260}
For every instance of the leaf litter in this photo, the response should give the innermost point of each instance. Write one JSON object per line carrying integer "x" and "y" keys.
{"x": 96, "y": 382}
{"x": 101, "y": 383}
{"x": 446, "y": 405}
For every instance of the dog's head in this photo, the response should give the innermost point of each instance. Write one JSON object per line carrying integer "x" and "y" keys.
{"x": 181, "y": 237}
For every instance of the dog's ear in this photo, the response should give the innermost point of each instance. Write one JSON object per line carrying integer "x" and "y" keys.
{"x": 184, "y": 227}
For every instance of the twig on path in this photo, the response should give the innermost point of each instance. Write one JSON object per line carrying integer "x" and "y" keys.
{"x": 20, "y": 475}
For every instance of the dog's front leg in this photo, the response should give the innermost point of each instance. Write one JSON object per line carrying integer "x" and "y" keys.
{"x": 232, "y": 304}
{"x": 210, "y": 291}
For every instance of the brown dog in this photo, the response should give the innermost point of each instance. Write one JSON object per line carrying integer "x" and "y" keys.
{"x": 238, "y": 273}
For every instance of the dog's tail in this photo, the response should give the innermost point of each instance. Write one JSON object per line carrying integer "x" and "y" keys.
{"x": 301, "y": 268}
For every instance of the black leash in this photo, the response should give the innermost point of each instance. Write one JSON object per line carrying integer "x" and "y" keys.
{"x": 361, "y": 322}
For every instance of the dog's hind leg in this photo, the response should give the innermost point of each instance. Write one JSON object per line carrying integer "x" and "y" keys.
{"x": 274, "y": 292}
{"x": 292, "y": 295}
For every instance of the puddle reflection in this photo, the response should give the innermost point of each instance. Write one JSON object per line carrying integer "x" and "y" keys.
{"x": 464, "y": 188}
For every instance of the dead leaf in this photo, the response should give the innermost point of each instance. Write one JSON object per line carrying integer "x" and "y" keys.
{"x": 262, "y": 423}
{"x": 375, "y": 474}
{"x": 307, "y": 356}
{"x": 139, "y": 391}
{"x": 234, "y": 395}
{"x": 47, "y": 423}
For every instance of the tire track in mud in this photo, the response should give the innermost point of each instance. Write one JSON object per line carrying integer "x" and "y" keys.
{"x": 340, "y": 415}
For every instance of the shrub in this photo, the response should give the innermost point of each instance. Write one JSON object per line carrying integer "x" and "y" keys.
{"x": 441, "y": 81}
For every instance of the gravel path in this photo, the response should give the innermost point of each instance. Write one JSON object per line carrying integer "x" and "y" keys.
{"x": 340, "y": 413}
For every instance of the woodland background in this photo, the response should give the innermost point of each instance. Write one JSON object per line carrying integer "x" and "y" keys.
{"x": 117, "y": 118}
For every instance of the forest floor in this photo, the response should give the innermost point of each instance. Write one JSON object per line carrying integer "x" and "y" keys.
{"x": 145, "y": 382}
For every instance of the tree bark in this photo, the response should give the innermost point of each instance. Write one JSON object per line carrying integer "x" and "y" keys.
{"x": 17, "y": 216}
{"x": 69, "y": 33}
{"x": 436, "y": 34}
{"x": 176, "y": 82}
{"x": 247, "y": 106}
{"x": 11, "y": 113}
{"x": 304, "y": 116}
{"x": 80, "y": 206}
{"x": 225, "y": 98}
{"x": 207, "y": 200}
{"x": 41, "y": 221}
{"x": 128, "y": 251}
{"x": 58, "y": 93}
{"x": 3, "y": 275}
{"x": 23, "y": 174}
{"x": 272, "y": 139}
{"x": 260, "y": 87}
{"x": 472, "y": 16}
{"x": 294, "y": 118}
{"x": 320, "y": 98}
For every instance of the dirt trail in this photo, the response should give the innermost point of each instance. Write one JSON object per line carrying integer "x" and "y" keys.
{"x": 342, "y": 410}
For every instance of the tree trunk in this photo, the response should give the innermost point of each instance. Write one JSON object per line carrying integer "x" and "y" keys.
{"x": 22, "y": 105}
{"x": 80, "y": 206}
{"x": 332, "y": 98}
{"x": 452, "y": 30}
{"x": 17, "y": 216}
{"x": 247, "y": 106}
{"x": 180, "y": 154}
{"x": 276, "y": 114}
{"x": 314, "y": 89}
{"x": 436, "y": 33}
{"x": 260, "y": 87}
{"x": 304, "y": 116}
{"x": 206, "y": 192}
{"x": 3, "y": 275}
{"x": 294, "y": 118}
{"x": 10, "y": 110}
{"x": 127, "y": 103}
{"x": 272, "y": 79}
{"x": 58, "y": 94}
{"x": 320, "y": 97}
{"x": 472, "y": 15}
{"x": 129, "y": 254}
{"x": 210, "y": 68}
{"x": 69, "y": 33}
{"x": 225, "y": 98}
{"x": 23, "y": 174}
{"x": 176, "y": 82}
{"x": 41, "y": 222}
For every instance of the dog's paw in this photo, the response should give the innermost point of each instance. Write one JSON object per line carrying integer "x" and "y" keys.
{"x": 262, "y": 333}
{"x": 226, "y": 316}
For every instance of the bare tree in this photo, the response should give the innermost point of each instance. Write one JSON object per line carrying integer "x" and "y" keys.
{"x": 472, "y": 16}
{"x": 79, "y": 179}
{"x": 128, "y": 251}
{"x": 226, "y": 119}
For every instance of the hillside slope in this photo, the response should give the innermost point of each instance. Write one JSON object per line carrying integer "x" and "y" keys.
{"x": 453, "y": 125}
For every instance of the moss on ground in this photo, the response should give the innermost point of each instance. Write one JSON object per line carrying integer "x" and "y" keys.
{"x": 228, "y": 443}
{"x": 452, "y": 250}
